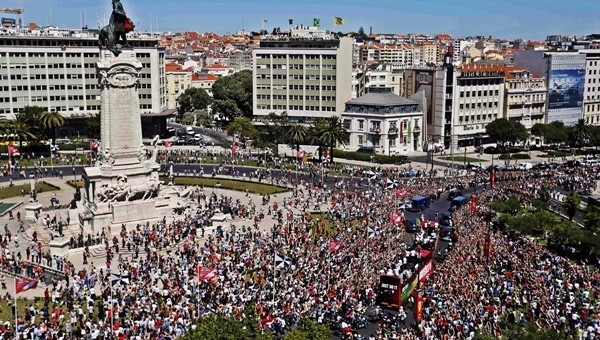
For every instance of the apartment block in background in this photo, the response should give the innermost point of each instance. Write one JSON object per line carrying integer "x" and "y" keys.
{"x": 307, "y": 73}
{"x": 525, "y": 96}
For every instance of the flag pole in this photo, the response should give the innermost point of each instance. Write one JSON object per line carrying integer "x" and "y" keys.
{"x": 112, "y": 310}
{"x": 16, "y": 309}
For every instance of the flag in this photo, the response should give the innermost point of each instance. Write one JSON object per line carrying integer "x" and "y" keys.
{"x": 338, "y": 21}
{"x": 23, "y": 284}
{"x": 493, "y": 177}
{"x": 316, "y": 22}
{"x": 410, "y": 129}
{"x": 168, "y": 144}
{"x": 119, "y": 279}
{"x": 391, "y": 184}
{"x": 334, "y": 245}
{"x": 206, "y": 274}
{"x": 299, "y": 154}
{"x": 401, "y": 131}
{"x": 395, "y": 217}
{"x": 264, "y": 20}
{"x": 305, "y": 159}
{"x": 282, "y": 261}
{"x": 93, "y": 145}
{"x": 291, "y": 21}
{"x": 235, "y": 147}
{"x": 12, "y": 150}
{"x": 400, "y": 192}
{"x": 370, "y": 233}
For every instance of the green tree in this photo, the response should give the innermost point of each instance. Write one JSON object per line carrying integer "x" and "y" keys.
{"x": 24, "y": 127}
{"x": 511, "y": 206}
{"x": 332, "y": 133}
{"x": 236, "y": 88}
{"x": 219, "y": 327}
{"x": 556, "y": 132}
{"x": 580, "y": 133}
{"x": 572, "y": 204}
{"x": 276, "y": 125}
{"x": 592, "y": 218}
{"x": 308, "y": 329}
{"x": 499, "y": 130}
{"x": 595, "y": 135}
{"x": 52, "y": 121}
{"x": 204, "y": 118}
{"x": 297, "y": 134}
{"x": 243, "y": 128}
{"x": 539, "y": 130}
{"x": 93, "y": 126}
{"x": 519, "y": 132}
{"x": 227, "y": 110}
{"x": 193, "y": 99}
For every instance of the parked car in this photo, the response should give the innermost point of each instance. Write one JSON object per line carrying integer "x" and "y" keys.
{"x": 366, "y": 149}
{"x": 490, "y": 150}
{"x": 189, "y": 130}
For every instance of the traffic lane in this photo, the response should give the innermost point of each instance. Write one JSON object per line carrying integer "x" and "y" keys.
{"x": 216, "y": 137}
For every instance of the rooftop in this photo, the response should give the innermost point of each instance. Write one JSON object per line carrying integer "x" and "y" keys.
{"x": 381, "y": 99}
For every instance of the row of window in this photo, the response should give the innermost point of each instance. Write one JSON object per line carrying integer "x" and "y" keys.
{"x": 479, "y": 82}
{"x": 473, "y": 106}
{"x": 296, "y": 56}
{"x": 296, "y": 108}
{"x": 478, "y": 93}
{"x": 477, "y": 118}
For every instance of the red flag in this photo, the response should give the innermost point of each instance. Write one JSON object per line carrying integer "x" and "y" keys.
{"x": 493, "y": 177}
{"x": 22, "y": 284}
{"x": 235, "y": 147}
{"x": 395, "y": 217}
{"x": 206, "y": 274}
{"x": 488, "y": 245}
{"x": 334, "y": 245}
{"x": 401, "y": 132}
{"x": 168, "y": 144}
{"x": 299, "y": 154}
{"x": 400, "y": 192}
{"x": 93, "y": 145}
{"x": 12, "y": 150}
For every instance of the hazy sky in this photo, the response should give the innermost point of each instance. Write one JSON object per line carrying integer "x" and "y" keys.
{"x": 530, "y": 19}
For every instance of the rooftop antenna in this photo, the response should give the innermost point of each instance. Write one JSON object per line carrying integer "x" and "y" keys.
{"x": 98, "y": 19}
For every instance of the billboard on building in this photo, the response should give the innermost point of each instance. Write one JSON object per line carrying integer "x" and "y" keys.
{"x": 424, "y": 82}
{"x": 565, "y": 89}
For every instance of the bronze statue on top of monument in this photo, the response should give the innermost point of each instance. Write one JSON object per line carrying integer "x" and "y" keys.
{"x": 112, "y": 35}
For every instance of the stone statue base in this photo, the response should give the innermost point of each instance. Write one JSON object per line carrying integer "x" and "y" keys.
{"x": 123, "y": 187}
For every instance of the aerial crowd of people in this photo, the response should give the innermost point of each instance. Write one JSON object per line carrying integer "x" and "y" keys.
{"x": 318, "y": 253}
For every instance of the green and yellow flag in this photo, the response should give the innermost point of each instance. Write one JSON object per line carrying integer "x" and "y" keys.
{"x": 316, "y": 22}
{"x": 338, "y": 21}
{"x": 410, "y": 129}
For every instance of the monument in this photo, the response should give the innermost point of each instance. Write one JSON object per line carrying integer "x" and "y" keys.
{"x": 123, "y": 186}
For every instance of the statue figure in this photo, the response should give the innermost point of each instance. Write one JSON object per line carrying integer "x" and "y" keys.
{"x": 114, "y": 35}
{"x": 143, "y": 154}
{"x": 107, "y": 156}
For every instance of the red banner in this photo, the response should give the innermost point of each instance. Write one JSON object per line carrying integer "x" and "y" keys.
{"x": 12, "y": 150}
{"x": 426, "y": 271}
{"x": 493, "y": 177}
{"x": 299, "y": 154}
{"x": 488, "y": 246}
{"x": 419, "y": 305}
{"x": 235, "y": 148}
{"x": 395, "y": 217}
{"x": 473, "y": 203}
{"x": 206, "y": 274}
{"x": 22, "y": 284}
{"x": 334, "y": 245}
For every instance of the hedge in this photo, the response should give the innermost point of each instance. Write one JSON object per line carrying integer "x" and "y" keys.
{"x": 366, "y": 157}
{"x": 514, "y": 156}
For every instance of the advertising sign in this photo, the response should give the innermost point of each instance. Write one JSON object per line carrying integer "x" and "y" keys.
{"x": 389, "y": 291}
{"x": 425, "y": 271}
{"x": 419, "y": 307}
{"x": 565, "y": 89}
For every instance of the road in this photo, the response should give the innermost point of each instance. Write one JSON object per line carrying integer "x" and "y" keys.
{"x": 210, "y": 136}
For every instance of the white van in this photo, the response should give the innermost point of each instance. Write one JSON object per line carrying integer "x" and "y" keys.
{"x": 190, "y": 131}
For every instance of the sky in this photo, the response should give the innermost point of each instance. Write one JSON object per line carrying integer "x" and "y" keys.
{"x": 527, "y": 19}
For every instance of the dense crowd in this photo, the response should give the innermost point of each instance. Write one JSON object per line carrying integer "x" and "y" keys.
{"x": 324, "y": 266}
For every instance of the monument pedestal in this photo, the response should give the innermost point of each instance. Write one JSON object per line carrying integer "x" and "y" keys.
{"x": 59, "y": 246}
{"x": 32, "y": 211}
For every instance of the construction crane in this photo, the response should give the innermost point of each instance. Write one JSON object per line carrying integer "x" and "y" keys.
{"x": 13, "y": 10}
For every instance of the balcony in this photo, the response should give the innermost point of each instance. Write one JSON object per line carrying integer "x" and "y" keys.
{"x": 416, "y": 128}
{"x": 375, "y": 129}
{"x": 393, "y": 131}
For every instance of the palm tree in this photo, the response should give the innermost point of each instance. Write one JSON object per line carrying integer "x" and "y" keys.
{"x": 23, "y": 127}
{"x": 51, "y": 121}
{"x": 580, "y": 133}
{"x": 333, "y": 133}
{"x": 296, "y": 134}
{"x": 592, "y": 218}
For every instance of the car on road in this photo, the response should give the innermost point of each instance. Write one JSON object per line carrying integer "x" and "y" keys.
{"x": 198, "y": 137}
{"x": 490, "y": 150}
{"x": 189, "y": 130}
{"x": 453, "y": 194}
{"x": 446, "y": 219}
{"x": 366, "y": 149}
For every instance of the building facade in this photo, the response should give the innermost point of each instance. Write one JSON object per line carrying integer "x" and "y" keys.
{"x": 58, "y": 73}
{"x": 308, "y": 75}
{"x": 390, "y": 124}
{"x": 178, "y": 81}
{"x": 525, "y": 96}
{"x": 478, "y": 100}
{"x": 591, "y": 94}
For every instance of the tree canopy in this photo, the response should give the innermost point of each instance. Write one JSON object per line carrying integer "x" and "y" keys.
{"x": 193, "y": 99}
{"x": 504, "y": 131}
{"x": 233, "y": 95}
{"x": 243, "y": 128}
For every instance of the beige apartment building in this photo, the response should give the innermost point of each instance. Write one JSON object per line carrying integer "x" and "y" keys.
{"x": 525, "y": 96}
{"x": 591, "y": 90}
{"x": 307, "y": 74}
{"x": 57, "y": 71}
{"x": 178, "y": 80}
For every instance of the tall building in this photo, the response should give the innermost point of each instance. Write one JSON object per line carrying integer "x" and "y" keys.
{"x": 478, "y": 100}
{"x": 441, "y": 128}
{"x": 178, "y": 80}
{"x": 525, "y": 96}
{"x": 423, "y": 79}
{"x": 591, "y": 92}
{"x": 565, "y": 76}
{"x": 58, "y": 73}
{"x": 307, "y": 74}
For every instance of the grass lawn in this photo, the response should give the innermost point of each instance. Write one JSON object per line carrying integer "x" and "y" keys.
{"x": 80, "y": 183}
{"x": 324, "y": 223}
{"x": 6, "y": 314}
{"x": 15, "y": 190}
{"x": 461, "y": 159}
{"x": 230, "y": 184}
{"x": 30, "y": 162}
